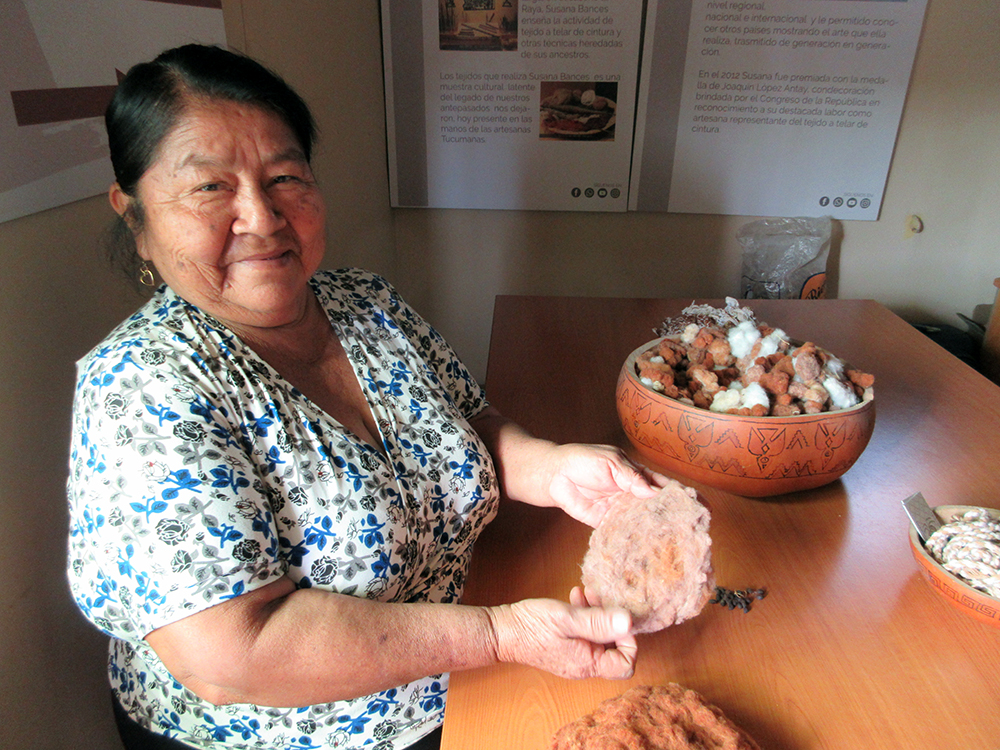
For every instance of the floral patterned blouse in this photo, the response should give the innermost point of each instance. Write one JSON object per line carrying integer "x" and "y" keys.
{"x": 197, "y": 474}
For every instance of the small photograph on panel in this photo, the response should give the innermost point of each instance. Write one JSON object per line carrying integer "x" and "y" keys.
{"x": 578, "y": 110}
{"x": 478, "y": 25}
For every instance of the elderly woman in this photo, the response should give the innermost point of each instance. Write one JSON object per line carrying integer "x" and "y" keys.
{"x": 278, "y": 473}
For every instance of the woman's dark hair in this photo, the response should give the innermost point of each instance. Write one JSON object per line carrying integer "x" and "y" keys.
{"x": 152, "y": 96}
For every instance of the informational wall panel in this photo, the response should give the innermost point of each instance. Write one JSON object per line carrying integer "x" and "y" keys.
{"x": 777, "y": 107}
{"x": 773, "y": 107}
{"x": 506, "y": 104}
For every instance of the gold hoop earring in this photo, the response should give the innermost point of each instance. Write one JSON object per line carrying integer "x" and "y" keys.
{"x": 146, "y": 276}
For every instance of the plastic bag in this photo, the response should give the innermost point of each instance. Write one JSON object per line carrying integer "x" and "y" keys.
{"x": 785, "y": 258}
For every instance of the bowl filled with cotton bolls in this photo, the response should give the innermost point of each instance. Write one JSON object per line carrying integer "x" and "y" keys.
{"x": 725, "y": 400}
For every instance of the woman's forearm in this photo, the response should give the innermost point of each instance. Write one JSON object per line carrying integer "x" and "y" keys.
{"x": 580, "y": 479}
{"x": 521, "y": 460}
{"x": 282, "y": 646}
{"x": 278, "y": 646}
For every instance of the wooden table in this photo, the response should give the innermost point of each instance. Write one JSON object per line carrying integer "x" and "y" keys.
{"x": 852, "y": 648}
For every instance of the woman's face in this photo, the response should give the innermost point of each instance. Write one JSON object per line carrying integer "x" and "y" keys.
{"x": 232, "y": 217}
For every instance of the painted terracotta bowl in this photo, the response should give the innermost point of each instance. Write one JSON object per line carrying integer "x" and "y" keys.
{"x": 750, "y": 456}
{"x": 954, "y": 590}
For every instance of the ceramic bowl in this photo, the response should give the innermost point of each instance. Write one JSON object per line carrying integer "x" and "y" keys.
{"x": 749, "y": 456}
{"x": 958, "y": 593}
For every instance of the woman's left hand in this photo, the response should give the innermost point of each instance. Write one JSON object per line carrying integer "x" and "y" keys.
{"x": 584, "y": 479}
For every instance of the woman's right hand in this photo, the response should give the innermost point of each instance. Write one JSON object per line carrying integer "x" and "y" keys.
{"x": 569, "y": 640}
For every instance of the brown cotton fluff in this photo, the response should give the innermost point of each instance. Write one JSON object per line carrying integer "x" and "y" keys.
{"x": 652, "y": 557}
{"x": 661, "y": 717}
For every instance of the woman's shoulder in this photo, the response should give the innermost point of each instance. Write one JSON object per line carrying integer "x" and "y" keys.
{"x": 356, "y": 288}
{"x": 351, "y": 278}
{"x": 162, "y": 328}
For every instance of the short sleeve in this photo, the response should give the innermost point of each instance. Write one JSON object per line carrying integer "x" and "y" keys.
{"x": 168, "y": 516}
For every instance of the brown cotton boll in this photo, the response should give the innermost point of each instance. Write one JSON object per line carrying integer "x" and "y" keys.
{"x": 671, "y": 391}
{"x": 785, "y": 364}
{"x": 785, "y": 410}
{"x": 706, "y": 378}
{"x": 812, "y": 407}
{"x": 657, "y": 371}
{"x": 809, "y": 392}
{"x": 721, "y": 351}
{"x": 702, "y": 399}
{"x": 775, "y": 383}
{"x": 752, "y": 374}
{"x": 652, "y": 556}
{"x": 673, "y": 352}
{"x": 806, "y": 362}
{"x": 727, "y": 376}
{"x": 861, "y": 379}
{"x": 664, "y": 717}
{"x": 703, "y": 338}
{"x": 697, "y": 356}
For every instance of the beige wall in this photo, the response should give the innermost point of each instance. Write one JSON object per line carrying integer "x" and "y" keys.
{"x": 57, "y": 299}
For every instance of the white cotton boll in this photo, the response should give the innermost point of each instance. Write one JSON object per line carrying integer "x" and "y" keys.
{"x": 768, "y": 346}
{"x": 726, "y": 399}
{"x": 835, "y": 368}
{"x": 655, "y": 385}
{"x": 753, "y": 395}
{"x": 690, "y": 333}
{"x": 842, "y": 395}
{"x": 742, "y": 337}
{"x": 771, "y": 343}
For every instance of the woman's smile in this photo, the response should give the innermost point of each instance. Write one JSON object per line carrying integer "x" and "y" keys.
{"x": 274, "y": 257}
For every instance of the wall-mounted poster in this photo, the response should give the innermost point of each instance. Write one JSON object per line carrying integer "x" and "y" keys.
{"x": 771, "y": 107}
{"x": 511, "y": 104}
{"x": 59, "y": 64}
{"x": 744, "y": 107}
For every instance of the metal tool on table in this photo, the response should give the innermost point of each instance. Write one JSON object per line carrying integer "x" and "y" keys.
{"x": 921, "y": 516}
